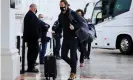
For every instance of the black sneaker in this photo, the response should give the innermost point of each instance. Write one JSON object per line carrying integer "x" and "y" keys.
{"x": 87, "y": 58}
{"x": 36, "y": 64}
{"x": 58, "y": 57}
{"x": 42, "y": 63}
{"x": 33, "y": 71}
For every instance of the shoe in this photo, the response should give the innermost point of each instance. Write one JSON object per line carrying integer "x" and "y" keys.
{"x": 58, "y": 57}
{"x": 41, "y": 62}
{"x": 36, "y": 64}
{"x": 72, "y": 76}
{"x": 33, "y": 71}
{"x": 86, "y": 57}
{"x": 81, "y": 65}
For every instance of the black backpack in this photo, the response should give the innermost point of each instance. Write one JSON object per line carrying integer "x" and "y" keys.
{"x": 83, "y": 32}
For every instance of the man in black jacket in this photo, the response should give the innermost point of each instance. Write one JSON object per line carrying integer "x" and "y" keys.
{"x": 70, "y": 41}
{"x": 31, "y": 35}
{"x": 57, "y": 37}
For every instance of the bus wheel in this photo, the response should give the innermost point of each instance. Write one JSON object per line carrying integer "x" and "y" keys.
{"x": 126, "y": 45}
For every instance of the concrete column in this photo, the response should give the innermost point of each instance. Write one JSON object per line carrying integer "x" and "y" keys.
{"x": 0, "y": 28}
{"x": 10, "y": 60}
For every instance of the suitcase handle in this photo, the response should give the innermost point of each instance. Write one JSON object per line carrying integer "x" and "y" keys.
{"x": 51, "y": 46}
{"x": 23, "y": 57}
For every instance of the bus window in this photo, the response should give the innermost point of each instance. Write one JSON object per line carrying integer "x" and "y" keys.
{"x": 112, "y": 5}
{"x": 97, "y": 9}
{"x": 99, "y": 18}
{"x": 88, "y": 10}
{"x": 107, "y": 8}
{"x": 121, "y": 6}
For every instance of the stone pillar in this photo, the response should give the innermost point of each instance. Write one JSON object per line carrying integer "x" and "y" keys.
{"x": 0, "y": 27}
{"x": 10, "y": 60}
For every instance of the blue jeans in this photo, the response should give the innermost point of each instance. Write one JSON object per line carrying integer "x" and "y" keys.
{"x": 43, "y": 51}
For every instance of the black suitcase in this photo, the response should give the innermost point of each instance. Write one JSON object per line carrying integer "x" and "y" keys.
{"x": 50, "y": 68}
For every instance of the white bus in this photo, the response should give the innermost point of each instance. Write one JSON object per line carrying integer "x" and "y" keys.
{"x": 113, "y": 20}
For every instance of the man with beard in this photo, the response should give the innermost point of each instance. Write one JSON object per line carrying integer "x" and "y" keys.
{"x": 70, "y": 41}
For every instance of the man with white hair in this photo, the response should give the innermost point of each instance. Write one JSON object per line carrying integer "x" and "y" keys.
{"x": 44, "y": 38}
{"x": 31, "y": 35}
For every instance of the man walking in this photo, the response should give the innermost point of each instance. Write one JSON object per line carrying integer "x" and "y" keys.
{"x": 70, "y": 41}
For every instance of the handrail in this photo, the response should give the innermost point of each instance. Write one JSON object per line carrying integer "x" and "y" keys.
{"x": 23, "y": 57}
{"x": 18, "y": 44}
{"x": 85, "y": 9}
{"x": 94, "y": 8}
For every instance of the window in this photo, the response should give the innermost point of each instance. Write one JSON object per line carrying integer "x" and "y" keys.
{"x": 121, "y": 6}
{"x": 105, "y": 8}
{"x": 96, "y": 10}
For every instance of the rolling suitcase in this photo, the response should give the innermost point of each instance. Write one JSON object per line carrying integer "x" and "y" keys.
{"x": 50, "y": 68}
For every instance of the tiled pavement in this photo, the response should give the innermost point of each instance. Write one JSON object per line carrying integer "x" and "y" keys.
{"x": 103, "y": 65}
{"x": 63, "y": 73}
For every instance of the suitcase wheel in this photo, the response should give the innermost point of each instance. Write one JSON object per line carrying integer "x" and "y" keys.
{"x": 47, "y": 78}
{"x": 53, "y": 78}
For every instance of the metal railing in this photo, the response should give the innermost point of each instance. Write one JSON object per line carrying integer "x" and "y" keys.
{"x": 22, "y": 54}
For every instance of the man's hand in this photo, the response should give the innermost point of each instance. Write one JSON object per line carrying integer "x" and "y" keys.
{"x": 71, "y": 27}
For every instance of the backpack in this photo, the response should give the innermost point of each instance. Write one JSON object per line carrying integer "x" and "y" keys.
{"x": 83, "y": 31}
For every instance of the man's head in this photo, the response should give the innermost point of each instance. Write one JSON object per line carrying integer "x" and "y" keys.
{"x": 41, "y": 17}
{"x": 63, "y": 6}
{"x": 33, "y": 8}
{"x": 80, "y": 12}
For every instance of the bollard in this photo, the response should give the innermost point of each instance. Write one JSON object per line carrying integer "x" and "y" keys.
{"x": 23, "y": 57}
{"x": 18, "y": 44}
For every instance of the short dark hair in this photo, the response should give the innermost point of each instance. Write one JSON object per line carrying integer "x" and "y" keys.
{"x": 80, "y": 10}
{"x": 65, "y": 2}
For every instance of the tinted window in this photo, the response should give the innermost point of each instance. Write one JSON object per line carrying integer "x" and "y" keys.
{"x": 122, "y": 6}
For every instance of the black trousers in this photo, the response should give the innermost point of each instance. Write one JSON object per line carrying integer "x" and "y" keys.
{"x": 72, "y": 46}
{"x": 33, "y": 48}
{"x": 83, "y": 51}
{"x": 88, "y": 50}
{"x": 57, "y": 45}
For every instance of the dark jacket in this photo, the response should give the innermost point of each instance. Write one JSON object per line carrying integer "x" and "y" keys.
{"x": 44, "y": 30}
{"x": 80, "y": 25}
{"x": 32, "y": 29}
{"x": 64, "y": 23}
